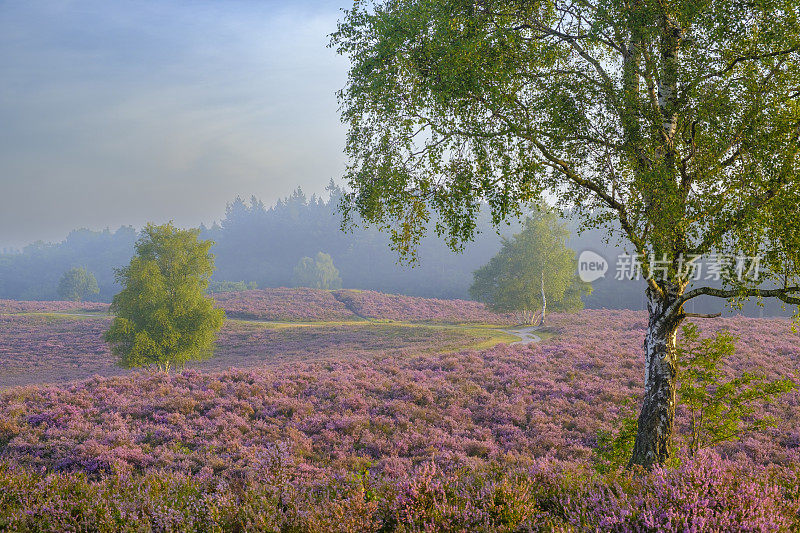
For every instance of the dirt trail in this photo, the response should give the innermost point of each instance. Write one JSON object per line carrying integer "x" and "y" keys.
{"x": 526, "y": 334}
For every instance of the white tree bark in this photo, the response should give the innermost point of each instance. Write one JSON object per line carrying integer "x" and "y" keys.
{"x": 544, "y": 301}
{"x": 656, "y": 420}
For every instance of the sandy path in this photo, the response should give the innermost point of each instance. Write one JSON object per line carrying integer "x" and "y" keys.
{"x": 526, "y": 335}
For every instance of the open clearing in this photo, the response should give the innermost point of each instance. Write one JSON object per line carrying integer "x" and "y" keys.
{"x": 59, "y": 347}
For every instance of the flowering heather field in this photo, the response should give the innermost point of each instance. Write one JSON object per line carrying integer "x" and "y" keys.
{"x": 59, "y": 348}
{"x": 264, "y": 304}
{"x": 407, "y": 440}
{"x": 303, "y": 305}
{"x": 379, "y": 306}
{"x": 52, "y": 348}
{"x": 14, "y": 306}
{"x": 284, "y": 305}
{"x": 312, "y": 304}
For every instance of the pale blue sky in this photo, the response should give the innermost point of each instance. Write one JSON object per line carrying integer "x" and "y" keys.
{"x": 123, "y": 112}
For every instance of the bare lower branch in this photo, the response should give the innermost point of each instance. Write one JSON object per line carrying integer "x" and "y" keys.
{"x": 789, "y": 295}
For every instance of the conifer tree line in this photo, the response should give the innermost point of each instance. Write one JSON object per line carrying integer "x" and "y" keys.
{"x": 257, "y": 245}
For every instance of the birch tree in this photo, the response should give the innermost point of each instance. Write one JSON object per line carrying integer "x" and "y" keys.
{"x": 163, "y": 316}
{"x": 677, "y": 120}
{"x": 532, "y": 270}
{"x": 76, "y": 284}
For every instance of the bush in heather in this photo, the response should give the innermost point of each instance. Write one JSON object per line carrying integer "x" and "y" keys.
{"x": 614, "y": 448}
{"x": 719, "y": 408}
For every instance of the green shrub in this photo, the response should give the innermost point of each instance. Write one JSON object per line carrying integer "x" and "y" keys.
{"x": 720, "y": 409}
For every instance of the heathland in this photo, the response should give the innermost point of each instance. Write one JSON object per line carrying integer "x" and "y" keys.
{"x": 360, "y": 411}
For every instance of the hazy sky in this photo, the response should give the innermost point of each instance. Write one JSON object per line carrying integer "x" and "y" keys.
{"x": 125, "y": 112}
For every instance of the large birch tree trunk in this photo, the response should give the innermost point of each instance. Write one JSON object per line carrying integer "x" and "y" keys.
{"x": 657, "y": 417}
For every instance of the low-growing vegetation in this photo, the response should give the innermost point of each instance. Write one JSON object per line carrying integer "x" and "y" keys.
{"x": 14, "y": 306}
{"x": 69, "y": 348}
{"x": 378, "y": 427}
{"x": 282, "y": 304}
{"x": 707, "y": 494}
{"x": 378, "y": 306}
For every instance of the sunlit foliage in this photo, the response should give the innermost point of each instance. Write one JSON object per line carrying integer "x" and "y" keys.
{"x": 163, "y": 316}
{"x": 533, "y": 272}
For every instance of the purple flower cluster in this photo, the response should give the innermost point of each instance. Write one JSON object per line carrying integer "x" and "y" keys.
{"x": 284, "y": 304}
{"x": 379, "y": 306}
{"x": 15, "y": 306}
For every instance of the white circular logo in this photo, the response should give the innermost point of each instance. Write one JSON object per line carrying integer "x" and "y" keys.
{"x": 591, "y": 266}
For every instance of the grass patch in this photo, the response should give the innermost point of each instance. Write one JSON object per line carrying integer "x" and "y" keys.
{"x": 495, "y": 337}
{"x": 546, "y": 335}
{"x": 489, "y": 335}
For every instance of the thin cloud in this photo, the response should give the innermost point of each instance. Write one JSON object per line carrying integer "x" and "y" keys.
{"x": 120, "y": 113}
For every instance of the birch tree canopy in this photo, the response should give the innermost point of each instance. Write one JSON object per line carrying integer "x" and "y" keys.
{"x": 678, "y": 121}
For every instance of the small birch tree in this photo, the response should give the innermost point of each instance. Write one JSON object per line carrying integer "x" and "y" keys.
{"x": 533, "y": 268}
{"x": 163, "y": 316}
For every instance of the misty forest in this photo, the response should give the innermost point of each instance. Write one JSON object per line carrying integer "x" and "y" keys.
{"x": 525, "y": 266}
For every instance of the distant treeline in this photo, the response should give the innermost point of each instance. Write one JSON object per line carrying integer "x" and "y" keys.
{"x": 256, "y": 243}
{"x": 34, "y": 273}
{"x": 262, "y": 245}
{"x": 259, "y": 245}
